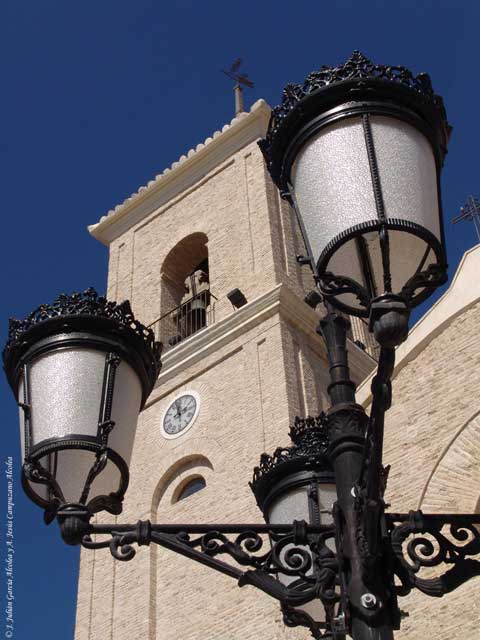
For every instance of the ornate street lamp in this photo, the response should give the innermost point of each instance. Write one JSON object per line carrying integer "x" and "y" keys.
{"x": 357, "y": 150}
{"x": 81, "y": 370}
{"x": 298, "y": 483}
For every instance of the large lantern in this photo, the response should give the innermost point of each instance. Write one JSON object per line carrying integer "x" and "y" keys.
{"x": 358, "y": 150}
{"x": 81, "y": 370}
{"x": 298, "y": 484}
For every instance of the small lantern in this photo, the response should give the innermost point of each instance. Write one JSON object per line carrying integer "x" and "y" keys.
{"x": 298, "y": 484}
{"x": 358, "y": 150}
{"x": 81, "y": 370}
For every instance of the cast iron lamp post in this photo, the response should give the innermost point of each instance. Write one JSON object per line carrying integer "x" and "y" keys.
{"x": 357, "y": 150}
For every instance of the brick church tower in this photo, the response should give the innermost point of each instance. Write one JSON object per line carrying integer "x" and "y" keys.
{"x": 206, "y": 253}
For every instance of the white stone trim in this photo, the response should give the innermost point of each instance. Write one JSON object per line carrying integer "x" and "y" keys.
{"x": 243, "y": 129}
{"x": 462, "y": 294}
{"x": 279, "y": 300}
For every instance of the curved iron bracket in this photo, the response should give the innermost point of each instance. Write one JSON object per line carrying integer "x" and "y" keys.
{"x": 261, "y": 554}
{"x": 449, "y": 540}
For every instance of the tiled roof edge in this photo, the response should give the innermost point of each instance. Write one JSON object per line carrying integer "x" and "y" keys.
{"x": 152, "y": 185}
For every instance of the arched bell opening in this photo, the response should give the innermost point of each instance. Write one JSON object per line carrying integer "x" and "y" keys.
{"x": 186, "y": 301}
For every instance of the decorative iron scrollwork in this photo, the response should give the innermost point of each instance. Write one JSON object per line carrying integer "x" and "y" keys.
{"x": 310, "y": 437}
{"x": 295, "y": 617}
{"x": 263, "y": 554}
{"x": 444, "y": 540}
{"x": 358, "y": 70}
{"x": 297, "y": 550}
{"x": 332, "y": 285}
{"x": 112, "y": 503}
{"x": 89, "y": 304}
{"x": 34, "y": 472}
{"x": 434, "y": 276}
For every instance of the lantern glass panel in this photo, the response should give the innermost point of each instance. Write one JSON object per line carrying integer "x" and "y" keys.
{"x": 294, "y": 504}
{"x": 407, "y": 252}
{"x": 70, "y": 467}
{"x": 65, "y": 393}
{"x": 314, "y": 609}
{"x": 65, "y": 388}
{"x": 408, "y": 174}
{"x": 335, "y": 197}
{"x": 127, "y": 399}
{"x": 291, "y": 505}
{"x": 332, "y": 183}
{"x": 327, "y": 495}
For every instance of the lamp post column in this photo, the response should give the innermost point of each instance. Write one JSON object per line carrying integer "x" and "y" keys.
{"x": 363, "y": 589}
{"x": 342, "y": 148}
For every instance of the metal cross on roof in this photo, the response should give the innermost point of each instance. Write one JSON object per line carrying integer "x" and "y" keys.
{"x": 471, "y": 211}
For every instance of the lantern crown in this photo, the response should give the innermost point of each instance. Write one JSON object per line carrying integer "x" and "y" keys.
{"x": 309, "y": 452}
{"x": 85, "y": 311}
{"x": 356, "y": 79}
{"x": 81, "y": 368}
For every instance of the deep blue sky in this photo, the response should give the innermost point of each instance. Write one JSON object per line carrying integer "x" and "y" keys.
{"x": 99, "y": 96}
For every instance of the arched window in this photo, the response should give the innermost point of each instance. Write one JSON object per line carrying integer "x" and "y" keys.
{"x": 185, "y": 299}
{"x": 189, "y": 487}
{"x": 172, "y": 483}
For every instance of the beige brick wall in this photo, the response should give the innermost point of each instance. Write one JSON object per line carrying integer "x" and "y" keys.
{"x": 433, "y": 444}
{"x": 248, "y": 399}
{"x": 250, "y": 244}
{"x": 251, "y": 387}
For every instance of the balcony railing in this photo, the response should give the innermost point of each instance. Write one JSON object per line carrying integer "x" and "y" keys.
{"x": 182, "y": 322}
{"x": 362, "y": 337}
{"x": 199, "y": 312}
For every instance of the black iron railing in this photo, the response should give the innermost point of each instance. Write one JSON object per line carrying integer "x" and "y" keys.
{"x": 183, "y": 321}
{"x": 199, "y": 312}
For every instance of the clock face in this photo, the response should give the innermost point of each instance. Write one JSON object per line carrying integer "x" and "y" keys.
{"x": 180, "y": 414}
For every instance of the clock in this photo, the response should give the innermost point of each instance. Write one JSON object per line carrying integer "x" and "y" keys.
{"x": 180, "y": 414}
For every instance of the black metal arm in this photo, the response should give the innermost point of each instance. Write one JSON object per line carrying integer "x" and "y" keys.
{"x": 255, "y": 554}
{"x": 258, "y": 553}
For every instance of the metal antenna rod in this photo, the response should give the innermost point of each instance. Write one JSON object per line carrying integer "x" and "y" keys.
{"x": 470, "y": 212}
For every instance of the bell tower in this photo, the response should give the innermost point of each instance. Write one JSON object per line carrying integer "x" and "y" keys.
{"x": 206, "y": 254}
